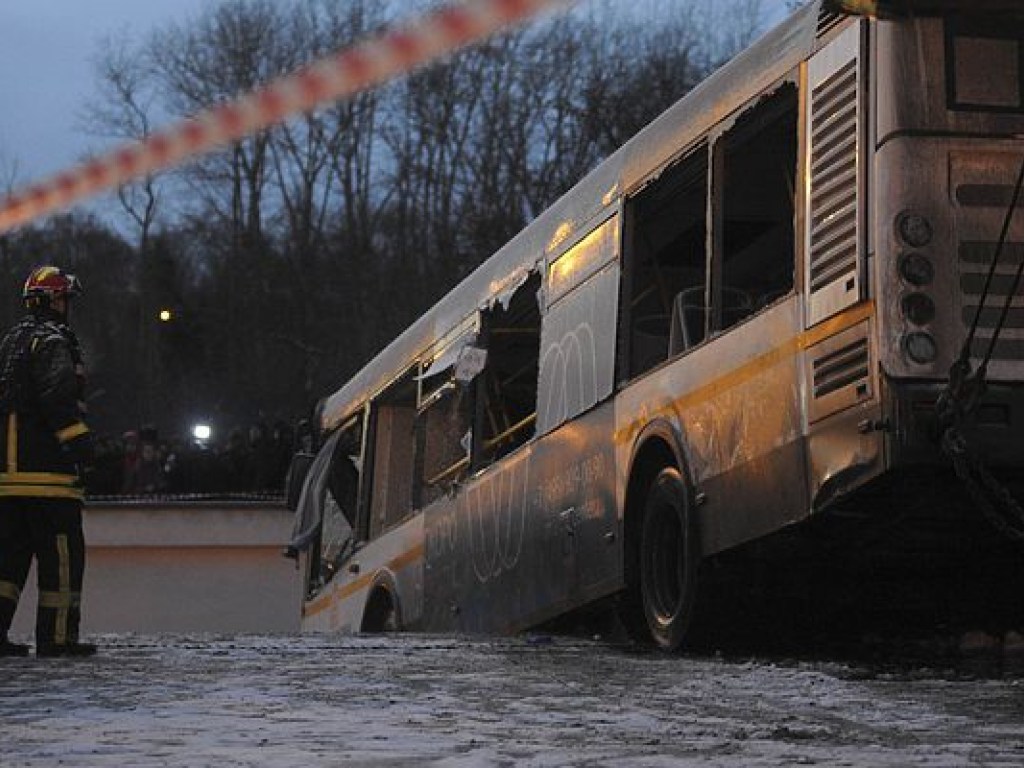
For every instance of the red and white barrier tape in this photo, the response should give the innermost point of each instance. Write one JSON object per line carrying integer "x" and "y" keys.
{"x": 362, "y": 66}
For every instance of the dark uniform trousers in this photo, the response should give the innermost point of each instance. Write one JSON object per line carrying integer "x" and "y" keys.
{"x": 51, "y": 530}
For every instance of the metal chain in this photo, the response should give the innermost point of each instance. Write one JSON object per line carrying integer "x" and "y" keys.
{"x": 984, "y": 488}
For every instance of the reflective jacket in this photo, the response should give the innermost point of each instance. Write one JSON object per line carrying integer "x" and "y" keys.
{"x": 43, "y": 438}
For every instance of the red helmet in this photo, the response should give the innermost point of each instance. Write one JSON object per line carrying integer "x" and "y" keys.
{"x": 49, "y": 282}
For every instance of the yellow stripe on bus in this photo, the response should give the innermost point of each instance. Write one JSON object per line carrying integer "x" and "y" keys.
{"x": 397, "y": 563}
{"x": 10, "y": 591}
{"x": 38, "y": 478}
{"x": 41, "y": 491}
{"x": 12, "y": 442}
{"x": 70, "y": 433}
{"x": 751, "y": 370}
{"x": 59, "y": 599}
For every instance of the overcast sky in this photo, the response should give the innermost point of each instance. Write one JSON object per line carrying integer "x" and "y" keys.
{"x": 46, "y": 74}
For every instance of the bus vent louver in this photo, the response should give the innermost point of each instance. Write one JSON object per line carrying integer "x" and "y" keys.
{"x": 846, "y": 367}
{"x": 975, "y": 257}
{"x": 834, "y": 178}
{"x": 827, "y": 21}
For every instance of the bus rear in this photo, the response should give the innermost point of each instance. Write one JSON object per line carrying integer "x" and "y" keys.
{"x": 948, "y": 159}
{"x": 915, "y": 448}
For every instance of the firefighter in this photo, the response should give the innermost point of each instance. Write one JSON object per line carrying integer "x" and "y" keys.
{"x": 44, "y": 446}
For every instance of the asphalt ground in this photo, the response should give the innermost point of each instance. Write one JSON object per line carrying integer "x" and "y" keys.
{"x": 409, "y": 700}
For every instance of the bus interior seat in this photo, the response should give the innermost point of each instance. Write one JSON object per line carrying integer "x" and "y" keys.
{"x": 686, "y": 327}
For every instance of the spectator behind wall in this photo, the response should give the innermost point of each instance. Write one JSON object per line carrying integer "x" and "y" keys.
{"x": 283, "y": 446}
{"x": 234, "y": 463}
{"x": 259, "y": 474}
{"x": 147, "y": 474}
{"x": 252, "y": 460}
{"x": 130, "y": 458}
{"x": 106, "y": 477}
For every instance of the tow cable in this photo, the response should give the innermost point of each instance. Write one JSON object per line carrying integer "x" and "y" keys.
{"x": 963, "y": 392}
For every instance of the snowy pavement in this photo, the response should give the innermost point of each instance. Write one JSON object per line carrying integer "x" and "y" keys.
{"x": 456, "y": 702}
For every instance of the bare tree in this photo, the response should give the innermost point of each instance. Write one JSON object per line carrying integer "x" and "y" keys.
{"x": 9, "y": 173}
{"x": 300, "y": 250}
{"x": 229, "y": 49}
{"x": 125, "y": 110}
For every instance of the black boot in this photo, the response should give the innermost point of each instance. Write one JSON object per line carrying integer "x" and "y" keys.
{"x": 7, "y": 648}
{"x": 65, "y": 649}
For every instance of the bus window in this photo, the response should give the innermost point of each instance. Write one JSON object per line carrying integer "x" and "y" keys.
{"x": 976, "y": 48}
{"x": 668, "y": 263}
{"x": 443, "y": 435}
{"x": 392, "y": 447}
{"x": 337, "y": 538}
{"x": 756, "y": 239}
{"x": 507, "y": 390}
{"x": 576, "y": 369}
{"x": 343, "y": 474}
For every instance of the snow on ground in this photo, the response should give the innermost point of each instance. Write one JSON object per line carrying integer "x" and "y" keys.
{"x": 461, "y": 703}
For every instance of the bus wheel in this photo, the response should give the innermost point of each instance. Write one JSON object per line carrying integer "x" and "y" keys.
{"x": 669, "y": 560}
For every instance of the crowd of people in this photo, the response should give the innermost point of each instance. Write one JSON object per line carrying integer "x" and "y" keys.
{"x": 142, "y": 463}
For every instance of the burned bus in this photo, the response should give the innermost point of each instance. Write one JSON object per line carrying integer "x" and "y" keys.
{"x": 791, "y": 300}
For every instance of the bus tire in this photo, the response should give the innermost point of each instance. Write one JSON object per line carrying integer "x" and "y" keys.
{"x": 669, "y": 560}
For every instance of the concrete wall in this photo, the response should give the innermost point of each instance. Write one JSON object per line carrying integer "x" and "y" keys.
{"x": 183, "y": 567}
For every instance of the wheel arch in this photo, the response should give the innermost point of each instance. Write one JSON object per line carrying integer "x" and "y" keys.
{"x": 382, "y": 602}
{"x": 659, "y": 445}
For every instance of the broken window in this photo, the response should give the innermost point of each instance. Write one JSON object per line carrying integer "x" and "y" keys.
{"x": 445, "y": 410}
{"x": 444, "y": 440}
{"x": 392, "y": 448}
{"x": 754, "y": 226}
{"x": 506, "y": 411}
{"x": 678, "y": 293}
{"x": 667, "y": 307}
{"x": 337, "y": 539}
{"x": 326, "y": 518}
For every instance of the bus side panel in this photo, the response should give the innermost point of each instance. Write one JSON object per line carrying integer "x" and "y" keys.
{"x": 530, "y": 538}
{"x": 845, "y": 425}
{"x": 395, "y": 558}
{"x": 737, "y": 403}
{"x": 576, "y": 488}
{"x": 487, "y": 554}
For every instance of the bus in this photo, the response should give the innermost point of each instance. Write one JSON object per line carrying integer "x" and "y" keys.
{"x": 743, "y": 323}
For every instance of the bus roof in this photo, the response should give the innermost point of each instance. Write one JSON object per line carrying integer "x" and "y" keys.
{"x": 640, "y": 159}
